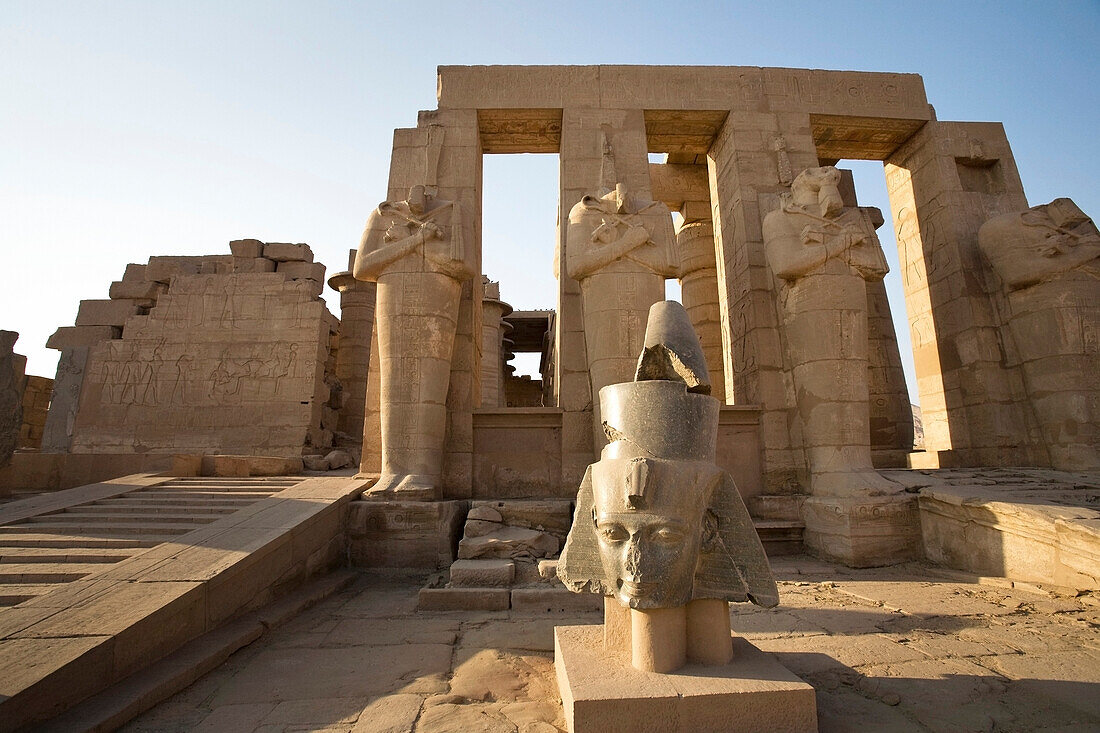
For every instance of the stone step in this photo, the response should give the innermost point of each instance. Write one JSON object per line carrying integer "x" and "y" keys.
{"x": 195, "y": 495}
{"x": 12, "y": 594}
{"x": 62, "y": 554}
{"x": 139, "y": 502}
{"x": 780, "y": 536}
{"x": 152, "y": 508}
{"x": 44, "y": 540}
{"x": 148, "y": 605}
{"x": 46, "y": 573}
{"x": 88, "y": 516}
{"x": 159, "y": 532}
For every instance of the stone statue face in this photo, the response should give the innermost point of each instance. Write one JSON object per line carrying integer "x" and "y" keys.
{"x": 650, "y": 528}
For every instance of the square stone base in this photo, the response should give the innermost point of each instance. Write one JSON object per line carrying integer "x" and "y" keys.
{"x": 863, "y": 532}
{"x": 601, "y": 692}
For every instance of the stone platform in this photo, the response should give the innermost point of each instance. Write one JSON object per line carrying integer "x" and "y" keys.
{"x": 602, "y": 693}
{"x": 1024, "y": 524}
{"x": 133, "y": 569}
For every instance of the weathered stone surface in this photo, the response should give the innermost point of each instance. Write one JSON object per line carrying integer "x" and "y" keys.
{"x": 105, "y": 312}
{"x": 823, "y": 255}
{"x": 464, "y": 599}
{"x": 415, "y": 250}
{"x": 143, "y": 290}
{"x": 557, "y": 600}
{"x": 1046, "y": 259}
{"x": 250, "y": 248}
{"x": 508, "y": 542}
{"x": 753, "y": 693}
{"x": 302, "y": 270}
{"x": 482, "y": 573}
{"x": 77, "y": 337}
{"x": 177, "y": 382}
{"x": 404, "y": 534}
{"x": 553, "y": 516}
{"x": 283, "y": 252}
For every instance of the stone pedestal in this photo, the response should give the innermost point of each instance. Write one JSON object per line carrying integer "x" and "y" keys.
{"x": 602, "y": 692}
{"x": 404, "y": 534}
{"x": 863, "y": 532}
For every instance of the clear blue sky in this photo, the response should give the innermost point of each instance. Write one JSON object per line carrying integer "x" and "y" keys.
{"x": 129, "y": 129}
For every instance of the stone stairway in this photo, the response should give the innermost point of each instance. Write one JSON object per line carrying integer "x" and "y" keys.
{"x": 42, "y": 551}
{"x": 101, "y": 581}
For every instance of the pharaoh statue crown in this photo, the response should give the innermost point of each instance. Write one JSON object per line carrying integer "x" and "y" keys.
{"x": 667, "y": 411}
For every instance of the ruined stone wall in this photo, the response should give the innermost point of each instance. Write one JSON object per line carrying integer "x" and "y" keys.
{"x": 232, "y": 356}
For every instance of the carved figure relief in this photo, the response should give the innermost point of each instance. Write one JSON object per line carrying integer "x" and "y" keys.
{"x": 1048, "y": 259}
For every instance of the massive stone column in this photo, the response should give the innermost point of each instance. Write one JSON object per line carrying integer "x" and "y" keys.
{"x": 354, "y": 350}
{"x": 11, "y": 397}
{"x": 944, "y": 182}
{"x": 699, "y": 291}
{"x": 1048, "y": 259}
{"x": 493, "y": 310}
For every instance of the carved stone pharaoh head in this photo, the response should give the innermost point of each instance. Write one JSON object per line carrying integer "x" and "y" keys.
{"x": 657, "y": 523}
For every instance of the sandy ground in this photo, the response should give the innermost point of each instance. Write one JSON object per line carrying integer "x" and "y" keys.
{"x": 908, "y": 648}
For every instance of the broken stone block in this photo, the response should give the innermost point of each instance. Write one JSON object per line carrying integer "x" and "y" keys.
{"x": 482, "y": 573}
{"x": 105, "y": 312}
{"x": 553, "y": 516}
{"x": 253, "y": 264}
{"x": 302, "y": 270}
{"x": 338, "y": 459}
{"x": 134, "y": 273}
{"x": 485, "y": 513}
{"x": 249, "y": 248}
{"x": 75, "y": 337}
{"x": 315, "y": 462}
{"x": 283, "y": 252}
{"x": 135, "y": 290}
{"x": 509, "y": 542}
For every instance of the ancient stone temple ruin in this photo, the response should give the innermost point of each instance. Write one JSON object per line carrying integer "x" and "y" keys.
{"x": 199, "y": 412}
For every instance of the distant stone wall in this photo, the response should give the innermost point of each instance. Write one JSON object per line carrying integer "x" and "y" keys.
{"x": 233, "y": 357}
{"x": 36, "y": 403}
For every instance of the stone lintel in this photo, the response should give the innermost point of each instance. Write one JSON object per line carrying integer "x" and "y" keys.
{"x": 601, "y": 692}
{"x": 748, "y": 88}
{"x": 863, "y": 532}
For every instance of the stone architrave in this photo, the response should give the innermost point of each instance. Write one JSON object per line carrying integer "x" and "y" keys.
{"x": 823, "y": 256}
{"x": 659, "y": 529}
{"x": 621, "y": 249}
{"x": 1048, "y": 259}
{"x": 414, "y": 250}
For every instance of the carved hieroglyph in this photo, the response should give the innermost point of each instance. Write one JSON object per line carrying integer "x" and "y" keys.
{"x": 822, "y": 254}
{"x": 621, "y": 250}
{"x": 659, "y": 528}
{"x": 223, "y": 363}
{"x": 1048, "y": 259}
{"x": 414, "y": 250}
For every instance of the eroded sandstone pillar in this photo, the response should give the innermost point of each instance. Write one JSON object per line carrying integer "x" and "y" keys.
{"x": 354, "y": 349}
{"x": 699, "y": 292}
